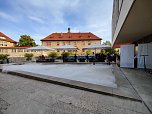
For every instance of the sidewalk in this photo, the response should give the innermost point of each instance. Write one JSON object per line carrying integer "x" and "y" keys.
{"x": 142, "y": 83}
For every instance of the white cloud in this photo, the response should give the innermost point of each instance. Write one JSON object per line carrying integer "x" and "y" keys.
{"x": 7, "y": 16}
{"x": 37, "y": 19}
{"x": 37, "y": 38}
{"x": 51, "y": 16}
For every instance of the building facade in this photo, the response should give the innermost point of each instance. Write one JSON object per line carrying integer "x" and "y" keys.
{"x": 132, "y": 25}
{"x": 5, "y": 41}
{"x": 79, "y": 40}
{"x": 8, "y": 46}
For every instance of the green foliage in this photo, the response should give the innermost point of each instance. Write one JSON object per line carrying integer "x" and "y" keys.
{"x": 3, "y": 56}
{"x": 103, "y": 52}
{"x": 89, "y": 52}
{"x": 107, "y": 43}
{"x": 71, "y": 53}
{"x": 26, "y": 40}
{"x": 110, "y": 51}
{"x": 53, "y": 55}
{"x": 65, "y": 54}
{"x": 28, "y": 55}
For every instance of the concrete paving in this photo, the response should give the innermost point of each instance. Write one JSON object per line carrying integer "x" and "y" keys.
{"x": 20, "y": 95}
{"x": 142, "y": 83}
{"x": 123, "y": 90}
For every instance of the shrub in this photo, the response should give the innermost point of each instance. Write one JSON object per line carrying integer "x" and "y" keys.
{"x": 28, "y": 55}
{"x": 3, "y": 56}
{"x": 65, "y": 54}
{"x": 71, "y": 54}
{"x": 103, "y": 52}
{"x": 53, "y": 55}
{"x": 88, "y": 52}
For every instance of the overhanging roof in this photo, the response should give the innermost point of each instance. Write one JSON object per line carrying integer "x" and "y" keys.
{"x": 138, "y": 23}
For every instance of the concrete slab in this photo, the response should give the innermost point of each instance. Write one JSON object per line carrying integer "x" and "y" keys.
{"x": 57, "y": 99}
{"x": 142, "y": 83}
{"x": 124, "y": 89}
{"x": 26, "y": 107}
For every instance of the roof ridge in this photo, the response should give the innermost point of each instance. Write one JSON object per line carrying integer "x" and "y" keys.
{"x": 6, "y": 37}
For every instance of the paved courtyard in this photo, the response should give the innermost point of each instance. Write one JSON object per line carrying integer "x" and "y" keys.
{"x": 26, "y": 96}
{"x": 100, "y": 74}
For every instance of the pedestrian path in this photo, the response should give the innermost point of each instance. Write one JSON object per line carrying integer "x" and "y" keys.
{"x": 142, "y": 83}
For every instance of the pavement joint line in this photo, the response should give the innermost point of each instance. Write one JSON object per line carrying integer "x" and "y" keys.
{"x": 58, "y": 82}
{"x": 136, "y": 91}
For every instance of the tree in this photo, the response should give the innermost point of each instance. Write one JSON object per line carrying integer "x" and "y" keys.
{"x": 107, "y": 43}
{"x": 26, "y": 40}
{"x": 110, "y": 51}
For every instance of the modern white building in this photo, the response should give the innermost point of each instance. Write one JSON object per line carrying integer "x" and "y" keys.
{"x": 132, "y": 30}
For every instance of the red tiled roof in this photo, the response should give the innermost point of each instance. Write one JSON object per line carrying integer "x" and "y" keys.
{"x": 71, "y": 37}
{"x": 6, "y": 38}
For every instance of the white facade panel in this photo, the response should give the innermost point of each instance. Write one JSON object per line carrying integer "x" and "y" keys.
{"x": 145, "y": 50}
{"x": 127, "y": 56}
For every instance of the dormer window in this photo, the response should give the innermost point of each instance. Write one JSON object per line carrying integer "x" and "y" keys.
{"x": 69, "y": 36}
{"x": 89, "y": 36}
{"x": 1, "y": 37}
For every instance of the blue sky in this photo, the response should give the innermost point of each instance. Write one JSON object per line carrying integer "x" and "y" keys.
{"x": 39, "y": 18}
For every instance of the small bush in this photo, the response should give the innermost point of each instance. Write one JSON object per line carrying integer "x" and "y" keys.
{"x": 89, "y": 52}
{"x": 71, "y": 53}
{"x": 3, "y": 56}
{"x": 28, "y": 55}
{"x": 65, "y": 54}
{"x": 53, "y": 55}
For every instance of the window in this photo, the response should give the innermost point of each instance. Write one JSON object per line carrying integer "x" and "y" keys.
{"x": 69, "y": 42}
{"x": 63, "y": 43}
{"x": 75, "y": 43}
{"x": 89, "y": 43}
{"x": 3, "y": 43}
{"x": 58, "y": 43}
{"x": 89, "y": 36}
{"x": 48, "y": 43}
{"x": 83, "y": 42}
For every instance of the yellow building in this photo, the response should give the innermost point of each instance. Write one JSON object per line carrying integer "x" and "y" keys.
{"x": 79, "y": 40}
{"x": 8, "y": 46}
{"x": 5, "y": 41}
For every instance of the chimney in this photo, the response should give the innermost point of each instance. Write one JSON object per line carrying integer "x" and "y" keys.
{"x": 69, "y": 30}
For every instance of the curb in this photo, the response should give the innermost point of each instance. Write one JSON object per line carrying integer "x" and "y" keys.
{"x": 74, "y": 84}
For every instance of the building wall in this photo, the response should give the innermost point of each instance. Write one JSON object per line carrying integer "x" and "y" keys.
{"x": 121, "y": 9}
{"x": 15, "y": 52}
{"x": 6, "y": 44}
{"x": 19, "y": 52}
{"x": 79, "y": 44}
